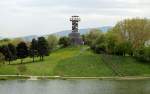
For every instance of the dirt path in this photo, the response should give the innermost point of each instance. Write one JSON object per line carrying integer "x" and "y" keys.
{"x": 59, "y": 77}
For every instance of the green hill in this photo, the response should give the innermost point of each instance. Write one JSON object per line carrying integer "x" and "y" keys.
{"x": 78, "y": 61}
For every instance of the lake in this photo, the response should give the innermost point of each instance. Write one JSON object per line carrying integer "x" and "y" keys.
{"x": 75, "y": 87}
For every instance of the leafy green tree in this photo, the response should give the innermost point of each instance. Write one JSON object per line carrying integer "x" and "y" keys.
{"x": 7, "y": 53}
{"x": 64, "y": 41}
{"x": 52, "y": 42}
{"x": 99, "y": 44}
{"x": 34, "y": 49}
{"x": 136, "y": 31}
{"x": 128, "y": 48}
{"x": 43, "y": 49}
{"x": 91, "y": 36}
{"x": 13, "y": 51}
{"x": 143, "y": 54}
{"x": 120, "y": 49}
{"x": 84, "y": 38}
{"x": 2, "y": 58}
{"x": 111, "y": 42}
{"x": 22, "y": 51}
{"x": 147, "y": 53}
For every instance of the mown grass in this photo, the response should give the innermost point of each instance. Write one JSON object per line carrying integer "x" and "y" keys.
{"x": 77, "y": 61}
{"x": 127, "y": 66}
{"x": 86, "y": 64}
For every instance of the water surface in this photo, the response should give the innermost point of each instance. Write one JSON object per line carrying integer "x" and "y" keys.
{"x": 75, "y": 87}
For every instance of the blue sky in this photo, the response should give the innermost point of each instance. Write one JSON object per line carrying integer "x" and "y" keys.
{"x": 39, "y": 17}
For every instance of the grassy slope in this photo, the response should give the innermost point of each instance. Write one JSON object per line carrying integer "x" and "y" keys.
{"x": 78, "y": 62}
{"x": 127, "y": 66}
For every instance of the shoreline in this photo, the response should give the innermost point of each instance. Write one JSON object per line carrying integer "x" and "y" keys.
{"x": 28, "y": 77}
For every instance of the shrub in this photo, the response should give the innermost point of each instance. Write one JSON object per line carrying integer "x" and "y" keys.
{"x": 64, "y": 41}
{"x": 143, "y": 54}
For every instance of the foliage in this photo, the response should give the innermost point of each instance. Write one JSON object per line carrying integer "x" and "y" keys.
{"x": 64, "y": 41}
{"x": 6, "y": 52}
{"x": 137, "y": 31}
{"x": 83, "y": 38}
{"x": 52, "y": 42}
{"x": 13, "y": 51}
{"x": 143, "y": 54}
{"x": 126, "y": 38}
{"x": 2, "y": 58}
{"x": 99, "y": 44}
{"x": 43, "y": 48}
{"x": 34, "y": 48}
{"x": 4, "y": 41}
{"x": 91, "y": 36}
{"x": 22, "y": 51}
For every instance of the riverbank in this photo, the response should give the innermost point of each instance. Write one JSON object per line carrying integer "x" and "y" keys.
{"x": 26, "y": 77}
{"x": 14, "y": 77}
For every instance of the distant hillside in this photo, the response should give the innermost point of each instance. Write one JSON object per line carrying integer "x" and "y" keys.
{"x": 1, "y": 37}
{"x": 66, "y": 32}
{"x": 29, "y": 38}
{"x": 82, "y": 31}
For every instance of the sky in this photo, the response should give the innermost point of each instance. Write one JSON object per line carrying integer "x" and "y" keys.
{"x": 40, "y": 17}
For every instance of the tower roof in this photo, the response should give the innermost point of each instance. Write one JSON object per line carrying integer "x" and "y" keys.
{"x": 75, "y": 18}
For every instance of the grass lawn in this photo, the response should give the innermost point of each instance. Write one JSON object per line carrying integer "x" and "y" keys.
{"x": 77, "y": 61}
{"x": 127, "y": 66}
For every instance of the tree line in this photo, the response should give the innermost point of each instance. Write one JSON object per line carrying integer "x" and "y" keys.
{"x": 126, "y": 38}
{"x": 37, "y": 48}
{"x": 11, "y": 50}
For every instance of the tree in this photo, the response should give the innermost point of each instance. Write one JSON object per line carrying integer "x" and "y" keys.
{"x": 143, "y": 54}
{"x": 34, "y": 48}
{"x": 128, "y": 48}
{"x": 2, "y": 58}
{"x": 120, "y": 49}
{"x": 99, "y": 44}
{"x": 128, "y": 36}
{"x": 64, "y": 41}
{"x": 6, "y": 52}
{"x": 22, "y": 51}
{"x": 136, "y": 31}
{"x": 111, "y": 40}
{"x": 13, "y": 51}
{"x": 4, "y": 41}
{"x": 91, "y": 36}
{"x": 83, "y": 38}
{"x": 52, "y": 42}
{"x": 43, "y": 49}
{"x": 9, "y": 51}
{"x": 147, "y": 53}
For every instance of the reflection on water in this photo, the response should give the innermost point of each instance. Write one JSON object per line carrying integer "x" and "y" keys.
{"x": 75, "y": 87}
